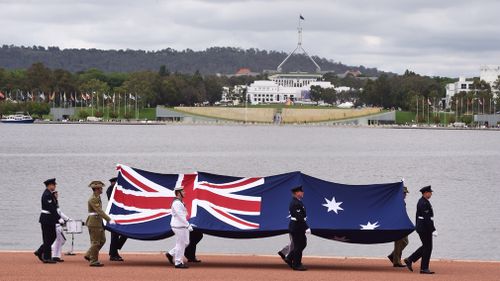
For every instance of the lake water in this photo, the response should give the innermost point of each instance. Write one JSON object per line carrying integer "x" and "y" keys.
{"x": 462, "y": 166}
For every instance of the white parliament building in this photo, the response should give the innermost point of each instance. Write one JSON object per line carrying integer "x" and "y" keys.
{"x": 287, "y": 87}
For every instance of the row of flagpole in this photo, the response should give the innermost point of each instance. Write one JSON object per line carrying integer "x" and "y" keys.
{"x": 481, "y": 102}
{"x": 73, "y": 99}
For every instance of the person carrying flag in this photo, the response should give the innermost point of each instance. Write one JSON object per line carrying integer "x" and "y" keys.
{"x": 399, "y": 245}
{"x": 298, "y": 228}
{"x": 94, "y": 224}
{"x": 117, "y": 240}
{"x": 181, "y": 228}
{"x": 425, "y": 229}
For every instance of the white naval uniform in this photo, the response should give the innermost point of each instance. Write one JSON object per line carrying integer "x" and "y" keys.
{"x": 60, "y": 239}
{"x": 179, "y": 225}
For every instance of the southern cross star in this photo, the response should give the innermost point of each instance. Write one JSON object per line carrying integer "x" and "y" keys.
{"x": 369, "y": 226}
{"x": 332, "y": 205}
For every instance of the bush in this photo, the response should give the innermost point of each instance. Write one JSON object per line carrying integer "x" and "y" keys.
{"x": 129, "y": 115}
{"x": 436, "y": 119}
{"x": 113, "y": 115}
{"x": 99, "y": 114}
{"x": 451, "y": 119}
{"x": 83, "y": 114}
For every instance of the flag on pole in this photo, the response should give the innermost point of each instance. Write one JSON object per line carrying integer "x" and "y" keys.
{"x": 301, "y": 17}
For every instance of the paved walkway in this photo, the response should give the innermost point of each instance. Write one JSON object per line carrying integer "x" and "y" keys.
{"x": 25, "y": 266}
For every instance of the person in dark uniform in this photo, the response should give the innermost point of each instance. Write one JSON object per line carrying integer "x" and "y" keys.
{"x": 298, "y": 228}
{"x": 399, "y": 245}
{"x": 117, "y": 240}
{"x": 425, "y": 229}
{"x": 49, "y": 217}
{"x": 195, "y": 237}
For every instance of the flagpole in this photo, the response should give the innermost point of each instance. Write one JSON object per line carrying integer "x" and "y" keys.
{"x": 417, "y": 111}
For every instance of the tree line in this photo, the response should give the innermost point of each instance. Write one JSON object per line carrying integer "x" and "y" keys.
{"x": 60, "y": 87}
{"x": 225, "y": 60}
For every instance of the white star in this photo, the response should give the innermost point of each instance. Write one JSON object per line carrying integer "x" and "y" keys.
{"x": 369, "y": 226}
{"x": 332, "y": 205}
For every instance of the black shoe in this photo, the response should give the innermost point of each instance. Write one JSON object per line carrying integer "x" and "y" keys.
{"x": 49, "y": 261}
{"x": 170, "y": 258}
{"x": 194, "y": 260}
{"x": 289, "y": 262}
{"x": 181, "y": 265}
{"x": 39, "y": 255}
{"x": 299, "y": 268}
{"x": 116, "y": 258}
{"x": 426, "y": 271}
{"x": 408, "y": 264}
{"x": 398, "y": 265}
{"x": 283, "y": 257}
{"x": 96, "y": 264}
{"x": 57, "y": 259}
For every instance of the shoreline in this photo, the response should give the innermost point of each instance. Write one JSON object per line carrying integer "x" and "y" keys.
{"x": 234, "y": 123}
{"x": 23, "y": 265}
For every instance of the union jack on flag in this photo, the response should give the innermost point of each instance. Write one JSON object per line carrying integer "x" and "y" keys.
{"x": 143, "y": 199}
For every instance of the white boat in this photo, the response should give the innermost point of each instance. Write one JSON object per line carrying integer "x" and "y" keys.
{"x": 19, "y": 117}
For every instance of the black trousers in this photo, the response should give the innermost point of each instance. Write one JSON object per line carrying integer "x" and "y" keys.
{"x": 117, "y": 242}
{"x": 424, "y": 251}
{"x": 195, "y": 237}
{"x": 48, "y": 236}
{"x": 299, "y": 241}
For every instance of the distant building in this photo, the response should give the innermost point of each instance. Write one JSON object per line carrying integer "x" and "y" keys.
{"x": 462, "y": 85}
{"x": 488, "y": 73}
{"x": 233, "y": 96}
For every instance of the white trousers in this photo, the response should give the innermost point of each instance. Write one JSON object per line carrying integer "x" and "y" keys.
{"x": 181, "y": 242}
{"x": 59, "y": 242}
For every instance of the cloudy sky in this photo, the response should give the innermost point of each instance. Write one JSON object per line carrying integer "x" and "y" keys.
{"x": 433, "y": 37}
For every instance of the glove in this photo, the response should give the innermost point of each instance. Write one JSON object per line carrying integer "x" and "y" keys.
{"x": 61, "y": 221}
{"x": 308, "y": 231}
{"x": 112, "y": 222}
{"x": 190, "y": 228}
{"x": 435, "y": 233}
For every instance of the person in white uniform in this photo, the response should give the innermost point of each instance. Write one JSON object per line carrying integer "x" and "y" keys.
{"x": 60, "y": 239}
{"x": 181, "y": 228}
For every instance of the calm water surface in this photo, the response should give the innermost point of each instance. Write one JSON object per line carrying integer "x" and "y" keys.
{"x": 462, "y": 166}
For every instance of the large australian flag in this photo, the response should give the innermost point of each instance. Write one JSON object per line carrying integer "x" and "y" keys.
{"x": 255, "y": 207}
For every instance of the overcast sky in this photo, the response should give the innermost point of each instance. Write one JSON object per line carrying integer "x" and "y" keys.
{"x": 432, "y": 37}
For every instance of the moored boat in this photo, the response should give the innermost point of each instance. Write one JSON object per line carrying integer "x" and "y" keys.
{"x": 19, "y": 117}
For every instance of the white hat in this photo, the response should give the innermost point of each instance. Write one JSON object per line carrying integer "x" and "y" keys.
{"x": 177, "y": 188}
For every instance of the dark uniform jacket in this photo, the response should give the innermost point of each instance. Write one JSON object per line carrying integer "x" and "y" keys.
{"x": 298, "y": 216}
{"x": 49, "y": 213}
{"x": 425, "y": 216}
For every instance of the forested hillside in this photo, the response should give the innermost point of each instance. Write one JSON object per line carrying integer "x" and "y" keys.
{"x": 224, "y": 60}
